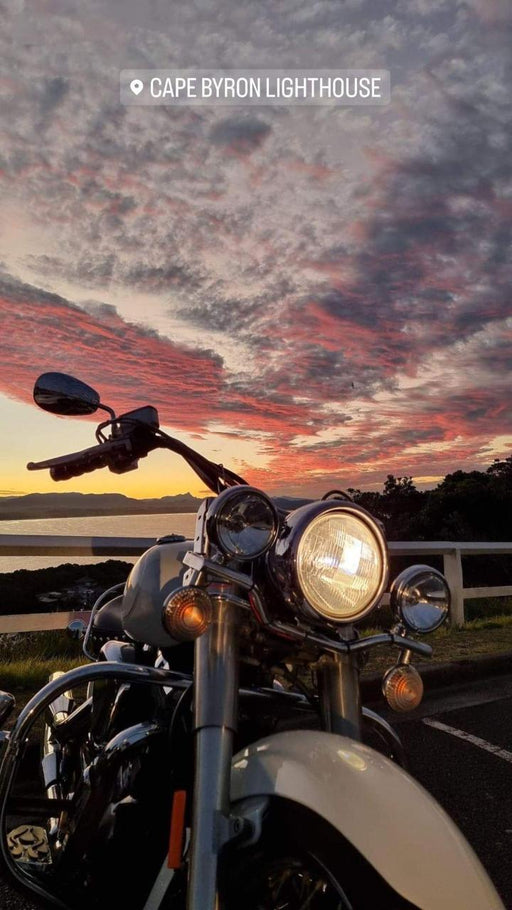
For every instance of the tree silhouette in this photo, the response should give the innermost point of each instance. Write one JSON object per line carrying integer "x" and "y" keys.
{"x": 465, "y": 506}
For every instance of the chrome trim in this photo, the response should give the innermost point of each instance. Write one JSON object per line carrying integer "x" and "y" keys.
{"x": 200, "y": 563}
{"x": 200, "y": 548}
{"x": 346, "y": 647}
{"x": 215, "y": 721}
{"x": 97, "y": 604}
{"x": 340, "y": 699}
{"x": 128, "y": 739}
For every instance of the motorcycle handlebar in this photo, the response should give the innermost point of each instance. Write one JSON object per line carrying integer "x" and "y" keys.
{"x": 121, "y": 454}
{"x": 118, "y": 455}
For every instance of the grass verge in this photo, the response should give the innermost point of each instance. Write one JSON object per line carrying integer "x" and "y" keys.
{"x": 28, "y": 675}
{"x": 484, "y": 636}
{"x": 26, "y": 661}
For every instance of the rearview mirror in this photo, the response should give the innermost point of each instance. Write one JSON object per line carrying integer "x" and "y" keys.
{"x": 63, "y": 394}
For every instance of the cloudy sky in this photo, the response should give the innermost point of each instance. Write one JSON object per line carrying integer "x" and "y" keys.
{"x": 315, "y": 296}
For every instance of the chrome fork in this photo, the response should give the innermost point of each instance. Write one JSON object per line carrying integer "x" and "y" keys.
{"x": 215, "y": 716}
{"x": 340, "y": 701}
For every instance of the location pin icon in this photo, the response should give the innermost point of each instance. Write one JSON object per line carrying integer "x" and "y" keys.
{"x": 136, "y": 86}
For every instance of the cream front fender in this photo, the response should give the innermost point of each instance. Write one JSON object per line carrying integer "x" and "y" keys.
{"x": 393, "y": 822}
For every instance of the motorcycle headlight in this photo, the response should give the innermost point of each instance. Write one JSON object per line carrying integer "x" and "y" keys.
{"x": 242, "y": 522}
{"x": 331, "y": 559}
{"x": 420, "y": 597}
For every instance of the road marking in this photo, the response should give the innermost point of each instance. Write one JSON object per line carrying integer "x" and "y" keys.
{"x": 475, "y": 740}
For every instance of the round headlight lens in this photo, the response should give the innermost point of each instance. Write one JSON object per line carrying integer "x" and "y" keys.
{"x": 421, "y": 597}
{"x": 340, "y": 565}
{"x": 243, "y": 522}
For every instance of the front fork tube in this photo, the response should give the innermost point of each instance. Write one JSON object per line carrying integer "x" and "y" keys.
{"x": 340, "y": 703}
{"x": 215, "y": 716}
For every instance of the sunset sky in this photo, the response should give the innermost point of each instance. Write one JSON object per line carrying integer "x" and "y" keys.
{"x": 315, "y": 296}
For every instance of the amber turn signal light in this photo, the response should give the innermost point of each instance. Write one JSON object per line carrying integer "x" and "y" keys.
{"x": 402, "y": 687}
{"x": 187, "y": 613}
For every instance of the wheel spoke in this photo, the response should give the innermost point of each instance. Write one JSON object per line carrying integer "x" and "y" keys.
{"x": 293, "y": 886}
{"x": 316, "y": 889}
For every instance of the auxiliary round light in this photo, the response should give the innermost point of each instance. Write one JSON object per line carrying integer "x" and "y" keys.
{"x": 341, "y": 564}
{"x": 243, "y": 522}
{"x": 187, "y": 613}
{"x": 420, "y": 596}
{"x": 402, "y": 688}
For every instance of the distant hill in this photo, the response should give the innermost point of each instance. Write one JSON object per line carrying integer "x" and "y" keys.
{"x": 70, "y": 505}
{"x": 289, "y": 503}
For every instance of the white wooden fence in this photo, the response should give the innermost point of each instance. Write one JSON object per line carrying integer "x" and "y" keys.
{"x": 44, "y": 545}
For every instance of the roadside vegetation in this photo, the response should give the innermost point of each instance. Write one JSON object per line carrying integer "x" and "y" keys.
{"x": 483, "y": 635}
{"x": 28, "y": 659}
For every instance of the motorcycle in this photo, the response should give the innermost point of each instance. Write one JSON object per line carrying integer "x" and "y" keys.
{"x": 212, "y": 754}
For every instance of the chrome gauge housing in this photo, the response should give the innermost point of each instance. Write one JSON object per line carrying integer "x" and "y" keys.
{"x": 330, "y": 561}
{"x": 242, "y": 522}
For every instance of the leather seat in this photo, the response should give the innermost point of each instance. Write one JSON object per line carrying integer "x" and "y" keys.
{"x": 108, "y": 621}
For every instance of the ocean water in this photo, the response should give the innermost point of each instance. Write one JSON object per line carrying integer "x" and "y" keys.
{"x": 94, "y": 526}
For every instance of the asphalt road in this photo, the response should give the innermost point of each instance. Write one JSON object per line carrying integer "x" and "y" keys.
{"x": 470, "y": 777}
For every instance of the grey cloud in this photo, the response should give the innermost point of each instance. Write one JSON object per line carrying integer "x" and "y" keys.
{"x": 98, "y": 308}
{"x": 17, "y": 291}
{"x": 160, "y": 206}
{"x": 90, "y": 271}
{"x": 53, "y": 93}
{"x": 243, "y": 134}
{"x": 160, "y": 278}
{"x": 346, "y": 306}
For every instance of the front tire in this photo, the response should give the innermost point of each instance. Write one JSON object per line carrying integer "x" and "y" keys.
{"x": 301, "y": 863}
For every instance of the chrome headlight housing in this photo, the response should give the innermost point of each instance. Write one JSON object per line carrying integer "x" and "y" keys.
{"x": 420, "y": 597}
{"x": 242, "y": 522}
{"x": 330, "y": 561}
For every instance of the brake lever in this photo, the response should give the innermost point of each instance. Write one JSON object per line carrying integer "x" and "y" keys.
{"x": 66, "y": 459}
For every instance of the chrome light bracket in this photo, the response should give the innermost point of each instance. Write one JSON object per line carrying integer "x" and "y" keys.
{"x": 201, "y": 547}
{"x": 199, "y": 564}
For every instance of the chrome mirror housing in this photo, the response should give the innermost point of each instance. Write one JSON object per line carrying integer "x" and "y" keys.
{"x": 63, "y": 394}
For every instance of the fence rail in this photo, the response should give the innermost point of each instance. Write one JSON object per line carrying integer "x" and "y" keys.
{"x": 19, "y": 545}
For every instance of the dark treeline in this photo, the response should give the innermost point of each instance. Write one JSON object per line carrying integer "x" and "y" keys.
{"x": 474, "y": 505}
{"x": 75, "y": 587}
{"x": 467, "y": 505}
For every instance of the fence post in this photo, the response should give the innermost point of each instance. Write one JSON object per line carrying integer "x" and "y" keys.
{"x": 453, "y": 573}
